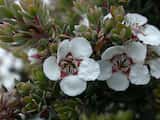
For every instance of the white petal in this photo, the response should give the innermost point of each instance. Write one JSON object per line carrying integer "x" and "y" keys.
{"x": 150, "y": 35}
{"x": 18, "y": 64}
{"x": 105, "y": 70}
{"x": 135, "y": 19}
{"x": 17, "y": 2}
{"x": 47, "y": 2}
{"x": 9, "y": 81}
{"x": 89, "y": 70}
{"x": 51, "y": 68}
{"x": 33, "y": 60}
{"x": 139, "y": 75}
{"x": 7, "y": 60}
{"x": 84, "y": 21}
{"x": 137, "y": 51}
{"x": 73, "y": 85}
{"x": 155, "y": 68}
{"x": 108, "y": 16}
{"x": 151, "y": 29}
{"x": 63, "y": 49}
{"x": 112, "y": 51}
{"x": 80, "y": 47}
{"x": 2, "y": 52}
{"x": 31, "y": 52}
{"x": 118, "y": 82}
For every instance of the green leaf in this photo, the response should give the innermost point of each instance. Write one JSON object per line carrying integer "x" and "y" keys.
{"x": 16, "y": 11}
{"x": 5, "y": 12}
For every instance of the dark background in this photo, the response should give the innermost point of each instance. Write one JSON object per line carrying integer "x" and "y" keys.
{"x": 149, "y": 8}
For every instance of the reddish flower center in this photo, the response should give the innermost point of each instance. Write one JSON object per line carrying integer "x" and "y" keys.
{"x": 137, "y": 29}
{"x": 122, "y": 63}
{"x": 69, "y": 66}
{"x": 36, "y": 56}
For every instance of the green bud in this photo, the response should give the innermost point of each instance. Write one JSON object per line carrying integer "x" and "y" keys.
{"x": 94, "y": 15}
{"x": 30, "y": 107}
{"x": 27, "y": 99}
{"x": 108, "y": 25}
{"x": 23, "y": 88}
{"x": 115, "y": 38}
{"x": 118, "y": 13}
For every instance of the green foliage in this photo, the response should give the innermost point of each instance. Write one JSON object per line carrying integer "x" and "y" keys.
{"x": 67, "y": 109}
{"x": 26, "y": 24}
{"x": 120, "y": 115}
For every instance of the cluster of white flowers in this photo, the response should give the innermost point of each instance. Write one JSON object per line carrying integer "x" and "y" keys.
{"x": 9, "y": 67}
{"x": 119, "y": 66}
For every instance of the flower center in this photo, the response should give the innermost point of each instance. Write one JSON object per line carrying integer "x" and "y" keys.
{"x": 122, "y": 63}
{"x": 69, "y": 66}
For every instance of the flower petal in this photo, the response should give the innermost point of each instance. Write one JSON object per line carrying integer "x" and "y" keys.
{"x": 84, "y": 20}
{"x": 73, "y": 85}
{"x": 150, "y": 35}
{"x": 137, "y": 51}
{"x": 118, "y": 82}
{"x": 108, "y": 16}
{"x": 2, "y": 52}
{"x": 18, "y": 64}
{"x": 155, "y": 68}
{"x": 139, "y": 74}
{"x": 51, "y": 69}
{"x": 63, "y": 49}
{"x": 105, "y": 70}
{"x": 31, "y": 52}
{"x": 89, "y": 70}
{"x": 9, "y": 81}
{"x": 112, "y": 51}
{"x": 80, "y": 47}
{"x": 135, "y": 19}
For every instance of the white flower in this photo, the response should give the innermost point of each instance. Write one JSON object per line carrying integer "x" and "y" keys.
{"x": 33, "y": 55}
{"x": 8, "y": 67}
{"x": 121, "y": 64}
{"x": 72, "y": 66}
{"x": 146, "y": 33}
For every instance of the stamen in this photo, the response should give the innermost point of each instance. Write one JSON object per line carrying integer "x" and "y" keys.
{"x": 69, "y": 66}
{"x": 121, "y": 63}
